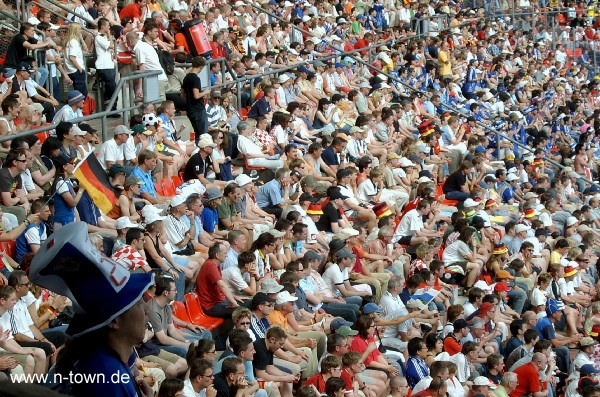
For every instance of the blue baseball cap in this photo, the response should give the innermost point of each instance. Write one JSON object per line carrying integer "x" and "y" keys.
{"x": 553, "y": 306}
{"x": 371, "y": 308}
{"x": 303, "y": 69}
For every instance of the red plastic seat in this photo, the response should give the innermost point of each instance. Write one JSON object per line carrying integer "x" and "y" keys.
{"x": 197, "y": 316}
{"x": 251, "y": 167}
{"x": 177, "y": 181}
{"x": 180, "y": 311}
{"x": 168, "y": 188}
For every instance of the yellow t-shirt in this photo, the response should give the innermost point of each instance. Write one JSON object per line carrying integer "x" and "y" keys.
{"x": 277, "y": 318}
{"x": 555, "y": 257}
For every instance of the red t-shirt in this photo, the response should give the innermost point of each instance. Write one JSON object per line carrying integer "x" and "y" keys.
{"x": 318, "y": 381}
{"x": 218, "y": 51}
{"x": 528, "y": 380}
{"x": 451, "y": 345}
{"x": 132, "y": 11}
{"x": 360, "y": 345}
{"x": 349, "y": 379}
{"x": 206, "y": 285}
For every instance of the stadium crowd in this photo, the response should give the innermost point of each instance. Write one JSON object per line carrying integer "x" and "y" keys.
{"x": 344, "y": 219}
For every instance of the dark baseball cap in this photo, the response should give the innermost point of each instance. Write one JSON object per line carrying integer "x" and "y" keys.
{"x": 308, "y": 197}
{"x": 337, "y": 194}
{"x": 261, "y": 298}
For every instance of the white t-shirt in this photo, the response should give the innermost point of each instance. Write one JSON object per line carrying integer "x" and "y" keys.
{"x": 456, "y": 252}
{"x": 147, "y": 55}
{"x": 104, "y": 59}
{"x": 110, "y": 151}
{"x": 74, "y": 50}
{"x": 350, "y": 194}
{"x": 393, "y": 307}
{"x": 410, "y": 223}
{"x": 334, "y": 276}
{"x": 33, "y": 236}
{"x": 366, "y": 190}
{"x": 246, "y": 146}
{"x": 234, "y": 279}
{"x": 538, "y": 297}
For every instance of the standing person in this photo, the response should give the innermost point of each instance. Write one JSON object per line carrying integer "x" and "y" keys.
{"x": 105, "y": 65}
{"x": 192, "y": 90}
{"x": 110, "y": 319}
{"x": 74, "y": 62}
{"x": 147, "y": 59}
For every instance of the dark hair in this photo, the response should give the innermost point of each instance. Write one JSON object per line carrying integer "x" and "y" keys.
{"x": 230, "y": 365}
{"x": 162, "y": 284}
{"x": 202, "y": 347}
{"x": 63, "y": 129}
{"x": 135, "y": 233}
{"x": 262, "y": 241}
{"x": 516, "y": 326}
{"x": 334, "y": 385}
{"x": 170, "y": 386}
{"x": 363, "y": 324}
{"x": 245, "y": 258}
{"x": 213, "y": 250}
{"x": 414, "y": 345}
{"x": 239, "y": 339}
{"x": 199, "y": 368}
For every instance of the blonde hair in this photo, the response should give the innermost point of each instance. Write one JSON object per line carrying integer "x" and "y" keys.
{"x": 74, "y": 32}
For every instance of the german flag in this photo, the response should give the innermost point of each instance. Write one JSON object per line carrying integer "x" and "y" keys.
{"x": 92, "y": 176}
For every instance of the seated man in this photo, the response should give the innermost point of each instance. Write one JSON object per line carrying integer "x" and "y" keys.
{"x": 35, "y": 233}
{"x": 412, "y": 230}
{"x": 217, "y": 299}
{"x": 166, "y": 335}
{"x": 456, "y": 186}
{"x": 265, "y": 348}
{"x": 274, "y": 195}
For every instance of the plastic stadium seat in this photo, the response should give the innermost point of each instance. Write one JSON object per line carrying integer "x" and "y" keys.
{"x": 251, "y": 167}
{"x": 197, "y": 316}
{"x": 180, "y": 311}
{"x": 168, "y": 188}
{"x": 177, "y": 181}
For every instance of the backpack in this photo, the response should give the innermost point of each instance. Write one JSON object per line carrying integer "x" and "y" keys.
{"x": 166, "y": 61}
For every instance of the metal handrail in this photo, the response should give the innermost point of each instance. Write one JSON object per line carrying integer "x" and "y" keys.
{"x": 103, "y": 114}
{"x": 51, "y": 11}
{"x": 62, "y": 7}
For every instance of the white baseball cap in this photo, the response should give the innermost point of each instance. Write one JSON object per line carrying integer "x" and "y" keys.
{"x": 124, "y": 223}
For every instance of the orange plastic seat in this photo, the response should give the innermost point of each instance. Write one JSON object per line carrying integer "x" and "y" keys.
{"x": 168, "y": 188}
{"x": 197, "y": 316}
{"x": 180, "y": 311}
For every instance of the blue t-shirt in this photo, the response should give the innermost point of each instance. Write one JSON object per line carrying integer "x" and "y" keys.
{"x": 22, "y": 245}
{"x": 146, "y": 177}
{"x": 546, "y": 328}
{"x": 210, "y": 219}
{"x": 269, "y": 194}
{"x": 98, "y": 364}
{"x": 329, "y": 156}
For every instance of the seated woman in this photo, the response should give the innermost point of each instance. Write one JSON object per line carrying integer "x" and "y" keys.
{"x": 461, "y": 253}
{"x": 364, "y": 343}
{"x": 65, "y": 199}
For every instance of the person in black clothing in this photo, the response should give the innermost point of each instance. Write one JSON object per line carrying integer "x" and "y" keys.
{"x": 200, "y": 163}
{"x": 263, "y": 360}
{"x": 332, "y": 221}
{"x": 18, "y": 47}
{"x": 191, "y": 88}
{"x": 231, "y": 378}
{"x": 262, "y": 107}
{"x": 455, "y": 187}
